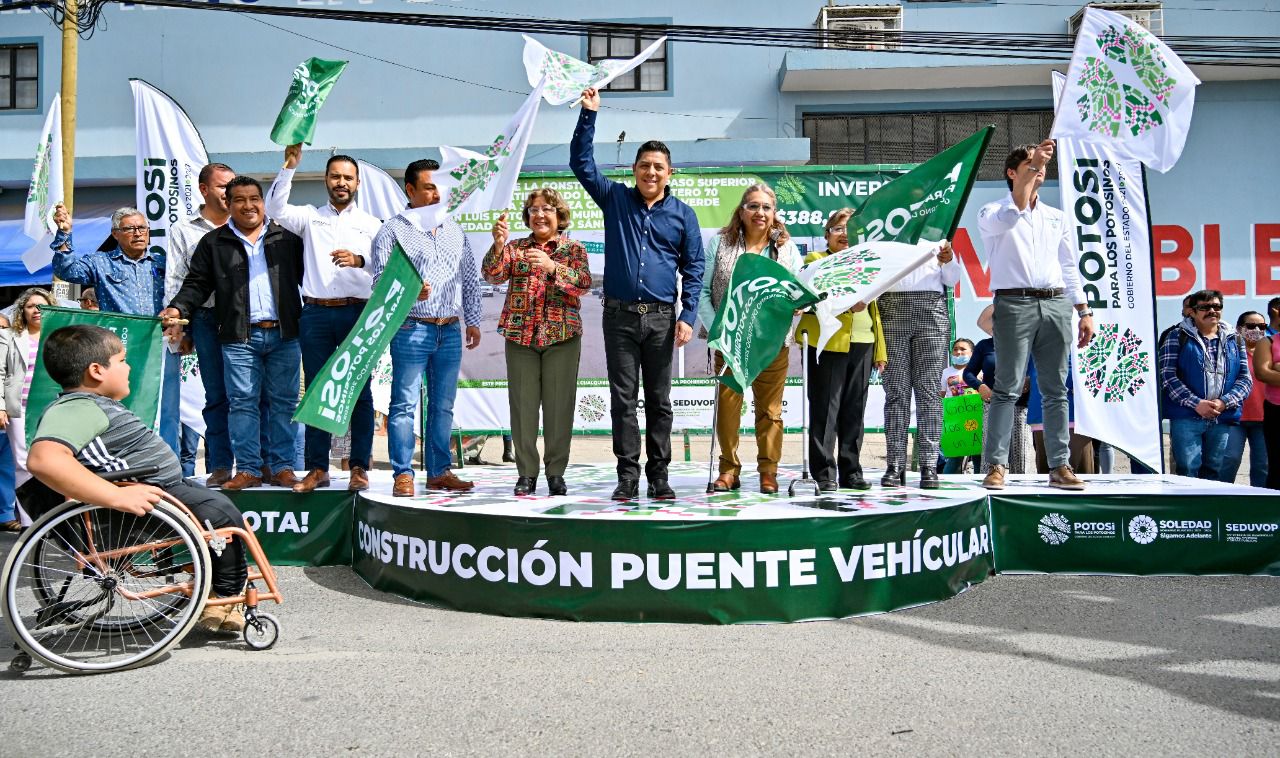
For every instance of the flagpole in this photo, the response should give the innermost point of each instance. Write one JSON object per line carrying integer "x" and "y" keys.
{"x": 1146, "y": 199}
{"x": 70, "y": 64}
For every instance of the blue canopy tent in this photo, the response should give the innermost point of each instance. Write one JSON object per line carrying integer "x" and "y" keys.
{"x": 89, "y": 233}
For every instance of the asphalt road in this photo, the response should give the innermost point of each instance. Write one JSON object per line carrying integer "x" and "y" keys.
{"x": 1019, "y": 665}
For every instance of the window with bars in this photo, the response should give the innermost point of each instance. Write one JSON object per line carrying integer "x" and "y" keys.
{"x": 870, "y": 138}
{"x": 650, "y": 76}
{"x": 19, "y": 77}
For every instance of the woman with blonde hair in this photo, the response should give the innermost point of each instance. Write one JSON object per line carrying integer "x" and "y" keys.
{"x": 548, "y": 273}
{"x": 19, "y": 344}
{"x": 753, "y": 230}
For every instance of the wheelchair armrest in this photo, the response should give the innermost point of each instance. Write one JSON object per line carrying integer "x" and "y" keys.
{"x": 129, "y": 473}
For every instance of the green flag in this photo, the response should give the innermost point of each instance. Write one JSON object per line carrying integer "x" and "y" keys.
{"x": 331, "y": 396}
{"x": 962, "y": 425}
{"x": 754, "y": 318}
{"x": 926, "y": 202}
{"x": 312, "y": 80}
{"x": 144, "y": 350}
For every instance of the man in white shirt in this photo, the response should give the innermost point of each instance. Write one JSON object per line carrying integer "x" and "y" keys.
{"x": 1035, "y": 279}
{"x": 335, "y": 288}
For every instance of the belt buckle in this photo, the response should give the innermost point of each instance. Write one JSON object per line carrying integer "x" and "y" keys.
{"x": 642, "y": 309}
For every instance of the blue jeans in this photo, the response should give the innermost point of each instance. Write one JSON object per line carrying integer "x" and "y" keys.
{"x": 217, "y": 440}
{"x": 323, "y": 330}
{"x": 420, "y": 349}
{"x": 265, "y": 366}
{"x": 7, "y": 511}
{"x": 1198, "y": 446}
{"x": 190, "y": 445}
{"x": 1237, "y": 434}
{"x": 171, "y": 402}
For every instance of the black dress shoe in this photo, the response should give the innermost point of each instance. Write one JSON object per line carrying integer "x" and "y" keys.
{"x": 854, "y": 483}
{"x": 893, "y": 477}
{"x": 826, "y": 485}
{"x": 928, "y": 479}
{"x": 660, "y": 490}
{"x": 555, "y": 486}
{"x": 627, "y": 489}
{"x": 525, "y": 485}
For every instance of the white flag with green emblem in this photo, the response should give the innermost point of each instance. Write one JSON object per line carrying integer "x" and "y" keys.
{"x": 46, "y": 190}
{"x": 1126, "y": 89}
{"x": 567, "y": 76}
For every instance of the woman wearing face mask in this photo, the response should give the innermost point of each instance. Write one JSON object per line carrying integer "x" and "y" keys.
{"x": 953, "y": 385}
{"x": 754, "y": 230}
{"x": 19, "y": 345}
{"x": 1252, "y": 328}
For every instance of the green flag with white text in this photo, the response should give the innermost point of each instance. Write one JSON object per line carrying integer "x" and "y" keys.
{"x": 143, "y": 348}
{"x": 312, "y": 80}
{"x": 331, "y": 396}
{"x": 755, "y": 316}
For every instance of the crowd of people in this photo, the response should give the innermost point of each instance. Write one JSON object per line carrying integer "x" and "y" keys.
{"x": 265, "y": 290}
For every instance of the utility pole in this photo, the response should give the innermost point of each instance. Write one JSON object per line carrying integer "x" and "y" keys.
{"x": 70, "y": 55}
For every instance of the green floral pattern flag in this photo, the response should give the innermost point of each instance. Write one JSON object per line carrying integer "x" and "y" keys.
{"x": 567, "y": 76}
{"x": 312, "y": 80}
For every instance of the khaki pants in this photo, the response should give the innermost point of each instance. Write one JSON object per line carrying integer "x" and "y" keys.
{"x": 767, "y": 389}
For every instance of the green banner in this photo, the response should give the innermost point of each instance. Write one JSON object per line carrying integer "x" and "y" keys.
{"x": 669, "y": 570}
{"x": 144, "y": 350}
{"x": 1138, "y": 534}
{"x": 310, "y": 530}
{"x": 926, "y": 203}
{"x": 312, "y": 80}
{"x": 962, "y": 425}
{"x": 755, "y": 317}
{"x": 331, "y": 397}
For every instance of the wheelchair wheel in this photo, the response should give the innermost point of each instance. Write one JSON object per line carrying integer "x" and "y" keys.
{"x": 89, "y": 589}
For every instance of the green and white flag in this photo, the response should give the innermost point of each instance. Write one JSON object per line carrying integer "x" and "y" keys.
{"x": 331, "y": 396}
{"x": 1127, "y": 90}
{"x": 46, "y": 179}
{"x": 312, "y": 80}
{"x": 755, "y": 316}
{"x": 143, "y": 339}
{"x": 567, "y": 76}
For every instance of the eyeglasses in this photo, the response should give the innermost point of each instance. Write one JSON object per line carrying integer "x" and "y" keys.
{"x": 131, "y": 229}
{"x": 838, "y": 230}
{"x": 1207, "y": 307}
{"x": 542, "y": 209}
{"x": 87, "y": 300}
{"x": 753, "y": 207}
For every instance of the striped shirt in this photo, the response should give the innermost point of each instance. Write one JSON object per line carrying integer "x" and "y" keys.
{"x": 443, "y": 258}
{"x": 106, "y": 436}
{"x": 33, "y": 344}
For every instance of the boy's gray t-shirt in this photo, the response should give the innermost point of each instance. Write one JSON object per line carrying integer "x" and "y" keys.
{"x": 106, "y": 436}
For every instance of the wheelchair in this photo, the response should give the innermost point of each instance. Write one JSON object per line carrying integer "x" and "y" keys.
{"x": 88, "y": 589}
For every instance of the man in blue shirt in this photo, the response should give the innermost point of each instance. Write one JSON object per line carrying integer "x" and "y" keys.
{"x": 651, "y": 241}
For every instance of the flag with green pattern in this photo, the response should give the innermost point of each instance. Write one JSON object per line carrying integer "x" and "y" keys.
{"x": 312, "y": 80}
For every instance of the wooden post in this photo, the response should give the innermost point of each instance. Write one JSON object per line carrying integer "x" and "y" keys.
{"x": 70, "y": 55}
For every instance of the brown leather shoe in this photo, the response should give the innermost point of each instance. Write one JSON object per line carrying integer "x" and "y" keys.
{"x": 450, "y": 482}
{"x": 218, "y": 478}
{"x": 314, "y": 478}
{"x": 769, "y": 484}
{"x": 242, "y": 481}
{"x": 727, "y": 482}
{"x": 359, "y": 479}
{"x": 1064, "y": 478}
{"x": 285, "y": 479}
{"x": 994, "y": 479}
{"x": 403, "y": 486}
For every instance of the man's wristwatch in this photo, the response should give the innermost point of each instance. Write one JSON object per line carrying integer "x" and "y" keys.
{"x": 1084, "y": 313}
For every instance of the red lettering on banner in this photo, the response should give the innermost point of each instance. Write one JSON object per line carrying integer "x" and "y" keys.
{"x": 1213, "y": 264}
{"x": 979, "y": 277}
{"x": 1266, "y": 257}
{"x": 1177, "y": 259}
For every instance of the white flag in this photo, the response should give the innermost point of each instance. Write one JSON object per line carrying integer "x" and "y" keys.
{"x": 1128, "y": 90}
{"x": 470, "y": 182}
{"x": 859, "y": 274}
{"x": 46, "y": 177}
{"x": 1116, "y": 387}
{"x": 170, "y": 155}
{"x": 567, "y": 76}
{"x": 379, "y": 195}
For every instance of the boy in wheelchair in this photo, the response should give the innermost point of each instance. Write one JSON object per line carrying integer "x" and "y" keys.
{"x": 88, "y": 430}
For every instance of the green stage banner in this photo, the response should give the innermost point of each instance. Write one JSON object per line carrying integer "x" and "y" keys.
{"x": 331, "y": 397}
{"x": 755, "y": 317}
{"x": 312, "y": 80}
{"x": 962, "y": 425}
{"x": 673, "y": 571}
{"x": 144, "y": 350}
{"x": 294, "y": 530}
{"x": 1137, "y": 534}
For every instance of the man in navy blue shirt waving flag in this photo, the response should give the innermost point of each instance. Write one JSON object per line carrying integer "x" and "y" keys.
{"x": 652, "y": 257}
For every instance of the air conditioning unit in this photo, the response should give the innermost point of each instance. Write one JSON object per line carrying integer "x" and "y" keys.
{"x": 1148, "y": 15}
{"x": 860, "y": 27}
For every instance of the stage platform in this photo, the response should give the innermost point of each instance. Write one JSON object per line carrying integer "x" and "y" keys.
{"x": 748, "y": 557}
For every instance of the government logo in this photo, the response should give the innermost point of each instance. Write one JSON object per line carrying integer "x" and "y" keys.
{"x": 1054, "y": 528}
{"x": 1143, "y": 530}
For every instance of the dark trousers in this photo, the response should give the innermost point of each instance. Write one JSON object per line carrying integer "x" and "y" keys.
{"x": 322, "y": 330}
{"x": 837, "y": 403}
{"x": 229, "y": 569}
{"x": 546, "y": 379}
{"x": 639, "y": 345}
{"x": 1271, "y": 431}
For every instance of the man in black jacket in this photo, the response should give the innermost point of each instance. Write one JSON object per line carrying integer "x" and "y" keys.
{"x": 254, "y": 268}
